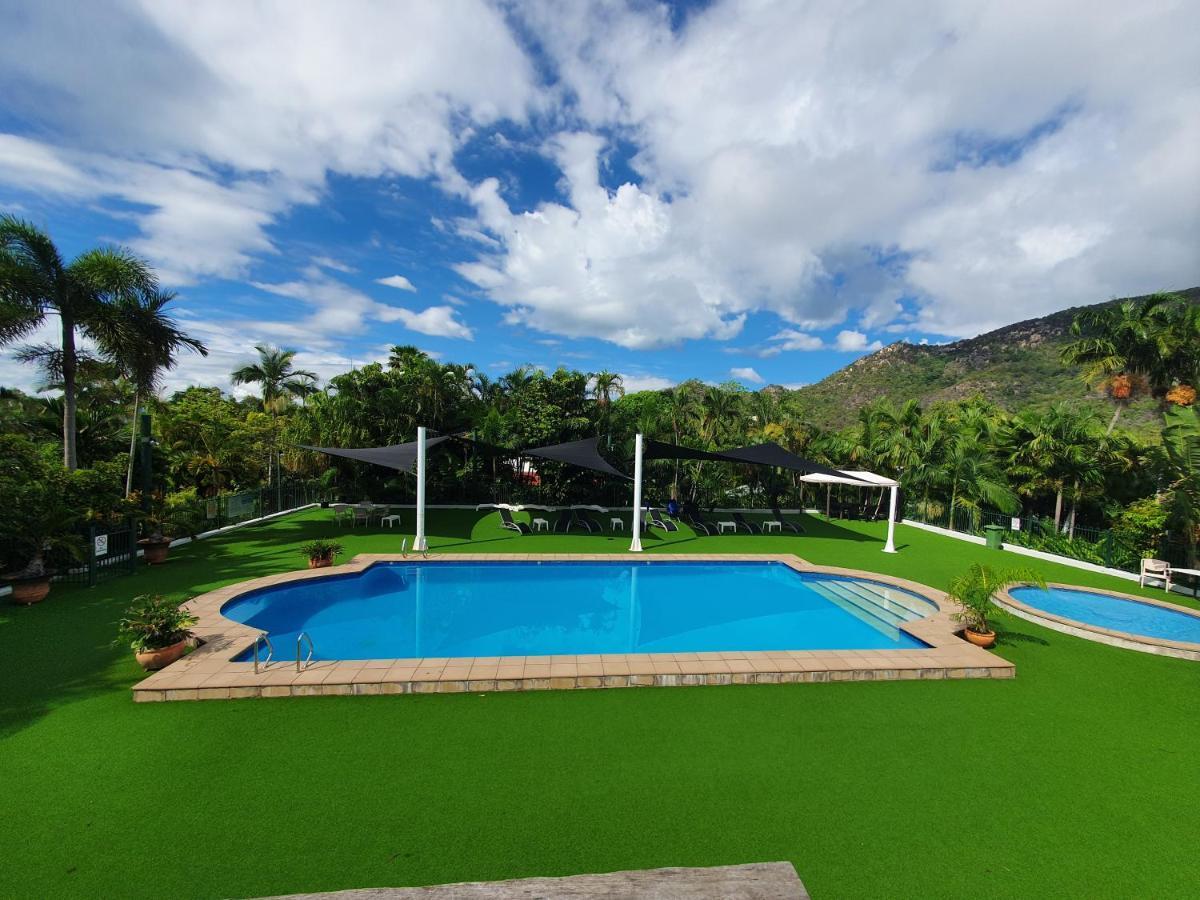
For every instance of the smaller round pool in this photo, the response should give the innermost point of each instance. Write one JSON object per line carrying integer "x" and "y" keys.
{"x": 1113, "y": 613}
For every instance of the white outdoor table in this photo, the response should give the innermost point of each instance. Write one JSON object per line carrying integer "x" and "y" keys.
{"x": 722, "y": 527}
{"x": 391, "y": 521}
{"x": 773, "y": 525}
{"x": 616, "y": 524}
{"x": 540, "y": 525}
{"x": 1193, "y": 574}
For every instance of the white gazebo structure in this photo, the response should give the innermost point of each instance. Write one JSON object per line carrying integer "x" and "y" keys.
{"x": 858, "y": 478}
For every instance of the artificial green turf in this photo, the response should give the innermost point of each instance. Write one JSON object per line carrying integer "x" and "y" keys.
{"x": 1076, "y": 779}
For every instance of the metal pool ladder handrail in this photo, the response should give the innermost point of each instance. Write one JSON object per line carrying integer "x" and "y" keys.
{"x": 263, "y": 638}
{"x": 311, "y": 648}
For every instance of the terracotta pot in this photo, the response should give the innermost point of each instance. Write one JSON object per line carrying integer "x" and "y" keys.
{"x": 28, "y": 591}
{"x": 984, "y": 639}
{"x": 151, "y": 660}
{"x": 320, "y": 562}
{"x": 155, "y": 551}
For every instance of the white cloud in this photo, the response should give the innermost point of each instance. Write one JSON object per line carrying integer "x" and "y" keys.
{"x": 746, "y": 374}
{"x": 397, "y": 281}
{"x": 795, "y": 149}
{"x": 855, "y": 341}
{"x": 328, "y": 262}
{"x": 340, "y": 311}
{"x": 212, "y": 120}
{"x": 634, "y": 383}
{"x": 791, "y": 339}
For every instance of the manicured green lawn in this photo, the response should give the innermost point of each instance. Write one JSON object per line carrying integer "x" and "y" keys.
{"x": 1076, "y": 779}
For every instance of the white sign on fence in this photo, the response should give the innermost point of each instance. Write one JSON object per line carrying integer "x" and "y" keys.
{"x": 1016, "y": 524}
{"x": 101, "y": 545}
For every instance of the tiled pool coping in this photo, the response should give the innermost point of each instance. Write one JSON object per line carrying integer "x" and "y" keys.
{"x": 1141, "y": 642}
{"x": 208, "y": 673}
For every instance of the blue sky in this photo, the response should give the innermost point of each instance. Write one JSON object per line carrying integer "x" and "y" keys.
{"x": 754, "y": 191}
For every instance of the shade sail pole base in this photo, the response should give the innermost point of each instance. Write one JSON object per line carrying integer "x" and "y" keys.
{"x": 890, "y": 546}
{"x": 419, "y": 543}
{"x": 635, "y": 545}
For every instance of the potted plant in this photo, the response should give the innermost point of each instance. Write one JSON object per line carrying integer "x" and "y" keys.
{"x": 157, "y": 629}
{"x": 38, "y": 524}
{"x": 974, "y": 590}
{"x": 320, "y": 553}
{"x": 156, "y": 541}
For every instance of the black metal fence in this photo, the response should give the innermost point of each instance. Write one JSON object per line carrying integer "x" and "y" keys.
{"x": 1101, "y": 546}
{"x": 188, "y": 519}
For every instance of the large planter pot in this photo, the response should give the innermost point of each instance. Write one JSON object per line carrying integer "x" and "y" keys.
{"x": 155, "y": 552}
{"x": 150, "y": 660}
{"x": 28, "y": 591}
{"x": 984, "y": 639}
{"x": 320, "y": 562}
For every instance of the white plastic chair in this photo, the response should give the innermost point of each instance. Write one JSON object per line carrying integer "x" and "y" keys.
{"x": 1157, "y": 570}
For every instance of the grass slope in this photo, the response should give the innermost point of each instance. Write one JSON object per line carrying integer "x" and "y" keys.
{"x": 1076, "y": 779}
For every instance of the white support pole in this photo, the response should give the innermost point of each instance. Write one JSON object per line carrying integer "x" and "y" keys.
{"x": 419, "y": 543}
{"x": 890, "y": 546}
{"x": 635, "y": 546}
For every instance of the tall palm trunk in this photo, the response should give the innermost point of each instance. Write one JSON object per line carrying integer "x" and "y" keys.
{"x": 133, "y": 436}
{"x": 1058, "y": 508}
{"x": 1112, "y": 423}
{"x": 70, "y": 459}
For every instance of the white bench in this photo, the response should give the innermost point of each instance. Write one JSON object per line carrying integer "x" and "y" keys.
{"x": 722, "y": 527}
{"x": 616, "y": 524}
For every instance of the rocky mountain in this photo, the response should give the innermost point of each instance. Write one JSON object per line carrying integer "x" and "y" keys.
{"x": 1015, "y": 367}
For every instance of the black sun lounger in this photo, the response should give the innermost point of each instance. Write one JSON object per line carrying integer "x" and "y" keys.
{"x": 744, "y": 523}
{"x": 506, "y": 520}
{"x": 658, "y": 521}
{"x": 793, "y": 527}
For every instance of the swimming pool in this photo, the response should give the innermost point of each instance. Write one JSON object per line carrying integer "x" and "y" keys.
{"x": 1112, "y": 612}
{"x": 501, "y": 609}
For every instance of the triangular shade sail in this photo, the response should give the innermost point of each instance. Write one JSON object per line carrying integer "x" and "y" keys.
{"x": 585, "y": 454}
{"x": 397, "y": 456}
{"x": 771, "y": 454}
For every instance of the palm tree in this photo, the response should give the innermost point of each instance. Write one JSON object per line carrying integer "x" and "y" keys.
{"x": 142, "y": 340}
{"x": 1144, "y": 344}
{"x": 607, "y": 384}
{"x": 36, "y": 282}
{"x": 280, "y": 383}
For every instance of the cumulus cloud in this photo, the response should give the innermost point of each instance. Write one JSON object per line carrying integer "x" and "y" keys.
{"x": 397, "y": 281}
{"x": 213, "y": 120}
{"x": 791, "y": 339}
{"x": 339, "y": 310}
{"x": 836, "y": 158}
{"x": 634, "y": 383}
{"x": 746, "y": 374}
{"x": 856, "y": 342}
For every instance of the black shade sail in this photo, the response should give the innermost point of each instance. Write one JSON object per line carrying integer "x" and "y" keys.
{"x": 771, "y": 454}
{"x": 585, "y": 454}
{"x": 397, "y": 456}
{"x": 652, "y": 449}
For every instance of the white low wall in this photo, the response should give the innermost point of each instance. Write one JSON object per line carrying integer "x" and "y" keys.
{"x": 1026, "y": 551}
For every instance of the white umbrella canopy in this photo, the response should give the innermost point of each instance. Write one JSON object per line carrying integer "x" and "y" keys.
{"x": 853, "y": 477}
{"x": 514, "y": 507}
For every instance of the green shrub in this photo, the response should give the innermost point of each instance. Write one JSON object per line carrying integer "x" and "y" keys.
{"x": 321, "y": 549}
{"x": 153, "y": 622}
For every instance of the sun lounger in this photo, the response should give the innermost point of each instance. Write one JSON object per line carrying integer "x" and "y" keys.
{"x": 746, "y": 524}
{"x": 793, "y": 527}
{"x": 658, "y": 521}
{"x": 506, "y": 521}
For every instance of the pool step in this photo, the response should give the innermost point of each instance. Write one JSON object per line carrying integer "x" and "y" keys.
{"x": 866, "y": 612}
{"x": 900, "y": 603}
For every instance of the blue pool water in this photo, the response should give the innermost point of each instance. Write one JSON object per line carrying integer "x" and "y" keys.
{"x": 402, "y": 610}
{"x": 1113, "y": 613}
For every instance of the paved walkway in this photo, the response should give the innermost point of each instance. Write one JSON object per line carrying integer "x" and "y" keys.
{"x": 756, "y": 881}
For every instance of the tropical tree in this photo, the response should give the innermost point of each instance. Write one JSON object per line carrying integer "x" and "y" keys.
{"x": 1145, "y": 345}
{"x": 606, "y": 385}
{"x": 142, "y": 340}
{"x": 1181, "y": 441}
{"x": 279, "y": 383}
{"x": 36, "y": 282}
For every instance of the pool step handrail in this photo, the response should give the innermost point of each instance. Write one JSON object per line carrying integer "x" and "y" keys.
{"x": 300, "y": 639}
{"x": 263, "y": 639}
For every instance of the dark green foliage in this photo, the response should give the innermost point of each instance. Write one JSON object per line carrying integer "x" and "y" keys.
{"x": 321, "y": 548}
